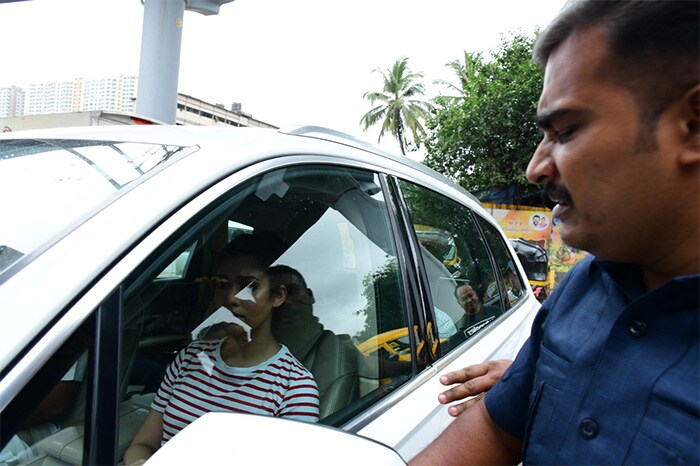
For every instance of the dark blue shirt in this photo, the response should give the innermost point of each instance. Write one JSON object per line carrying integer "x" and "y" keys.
{"x": 610, "y": 374}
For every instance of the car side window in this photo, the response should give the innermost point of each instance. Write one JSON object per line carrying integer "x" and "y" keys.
{"x": 44, "y": 423}
{"x": 512, "y": 281}
{"x": 344, "y": 318}
{"x": 462, "y": 280}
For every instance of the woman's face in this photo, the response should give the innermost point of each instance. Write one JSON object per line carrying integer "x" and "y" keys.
{"x": 242, "y": 286}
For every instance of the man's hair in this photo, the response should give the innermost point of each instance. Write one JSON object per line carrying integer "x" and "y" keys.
{"x": 475, "y": 288}
{"x": 297, "y": 290}
{"x": 654, "y": 47}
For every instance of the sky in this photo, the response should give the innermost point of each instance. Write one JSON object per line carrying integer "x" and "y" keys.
{"x": 287, "y": 62}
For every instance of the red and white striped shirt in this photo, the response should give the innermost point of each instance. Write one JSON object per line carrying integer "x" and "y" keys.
{"x": 198, "y": 381}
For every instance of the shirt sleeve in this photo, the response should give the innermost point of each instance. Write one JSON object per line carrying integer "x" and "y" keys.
{"x": 446, "y": 327}
{"x": 165, "y": 391}
{"x": 508, "y": 402}
{"x": 301, "y": 402}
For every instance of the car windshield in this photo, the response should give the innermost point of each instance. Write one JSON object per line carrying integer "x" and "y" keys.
{"x": 47, "y": 186}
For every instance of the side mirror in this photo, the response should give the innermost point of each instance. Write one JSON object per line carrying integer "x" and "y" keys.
{"x": 233, "y": 438}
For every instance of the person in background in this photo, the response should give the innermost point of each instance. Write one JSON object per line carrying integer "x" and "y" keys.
{"x": 255, "y": 375}
{"x": 475, "y": 317}
{"x": 610, "y": 373}
{"x": 48, "y": 417}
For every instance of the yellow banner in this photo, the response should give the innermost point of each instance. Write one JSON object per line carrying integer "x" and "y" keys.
{"x": 531, "y": 225}
{"x": 539, "y": 227}
{"x": 561, "y": 256}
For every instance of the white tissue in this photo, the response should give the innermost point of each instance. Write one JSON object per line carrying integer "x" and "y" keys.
{"x": 221, "y": 315}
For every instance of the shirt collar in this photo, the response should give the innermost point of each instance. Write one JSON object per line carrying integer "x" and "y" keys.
{"x": 628, "y": 278}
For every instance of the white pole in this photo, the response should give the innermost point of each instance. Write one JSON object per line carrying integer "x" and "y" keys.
{"x": 160, "y": 59}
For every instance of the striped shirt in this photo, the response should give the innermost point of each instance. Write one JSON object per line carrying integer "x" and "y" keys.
{"x": 198, "y": 381}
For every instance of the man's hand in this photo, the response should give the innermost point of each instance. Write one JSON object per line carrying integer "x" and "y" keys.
{"x": 472, "y": 380}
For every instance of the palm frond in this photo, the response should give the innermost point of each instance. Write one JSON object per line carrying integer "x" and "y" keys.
{"x": 399, "y": 111}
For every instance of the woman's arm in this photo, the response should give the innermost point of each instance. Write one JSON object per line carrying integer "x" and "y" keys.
{"x": 146, "y": 441}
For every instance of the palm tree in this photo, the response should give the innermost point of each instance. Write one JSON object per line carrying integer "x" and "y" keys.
{"x": 398, "y": 110}
{"x": 465, "y": 71}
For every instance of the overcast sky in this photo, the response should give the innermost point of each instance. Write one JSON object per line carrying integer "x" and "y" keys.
{"x": 286, "y": 61}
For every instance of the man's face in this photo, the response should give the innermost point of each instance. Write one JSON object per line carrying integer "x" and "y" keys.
{"x": 468, "y": 299}
{"x": 589, "y": 160}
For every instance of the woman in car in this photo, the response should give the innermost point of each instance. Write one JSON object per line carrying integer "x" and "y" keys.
{"x": 233, "y": 373}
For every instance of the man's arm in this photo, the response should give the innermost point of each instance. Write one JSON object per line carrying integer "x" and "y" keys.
{"x": 473, "y": 438}
{"x": 57, "y": 403}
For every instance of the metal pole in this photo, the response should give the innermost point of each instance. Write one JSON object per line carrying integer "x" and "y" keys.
{"x": 160, "y": 59}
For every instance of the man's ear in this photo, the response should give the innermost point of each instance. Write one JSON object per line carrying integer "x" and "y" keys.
{"x": 690, "y": 155}
{"x": 280, "y": 297}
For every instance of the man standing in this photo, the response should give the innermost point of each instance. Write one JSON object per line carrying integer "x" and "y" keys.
{"x": 610, "y": 372}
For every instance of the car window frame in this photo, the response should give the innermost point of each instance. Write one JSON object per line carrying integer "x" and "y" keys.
{"x": 407, "y": 268}
{"x": 428, "y": 312}
{"x": 426, "y": 316}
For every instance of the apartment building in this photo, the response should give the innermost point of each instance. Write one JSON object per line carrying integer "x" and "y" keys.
{"x": 116, "y": 95}
{"x": 11, "y": 101}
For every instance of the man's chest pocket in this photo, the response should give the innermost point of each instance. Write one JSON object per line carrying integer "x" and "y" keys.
{"x": 545, "y": 416}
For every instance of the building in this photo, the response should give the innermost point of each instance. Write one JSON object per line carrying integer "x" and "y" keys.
{"x": 116, "y": 94}
{"x": 193, "y": 111}
{"x": 53, "y": 97}
{"x": 110, "y": 94}
{"x": 11, "y": 101}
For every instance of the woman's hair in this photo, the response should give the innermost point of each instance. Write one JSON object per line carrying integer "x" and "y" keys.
{"x": 265, "y": 248}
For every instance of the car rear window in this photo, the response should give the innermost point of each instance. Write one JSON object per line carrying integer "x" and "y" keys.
{"x": 49, "y": 186}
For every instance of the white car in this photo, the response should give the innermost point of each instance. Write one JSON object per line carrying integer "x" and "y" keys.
{"x": 107, "y": 231}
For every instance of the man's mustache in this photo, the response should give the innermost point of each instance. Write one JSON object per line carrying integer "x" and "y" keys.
{"x": 558, "y": 194}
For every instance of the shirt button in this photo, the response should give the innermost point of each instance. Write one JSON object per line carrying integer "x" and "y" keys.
{"x": 638, "y": 328}
{"x": 588, "y": 429}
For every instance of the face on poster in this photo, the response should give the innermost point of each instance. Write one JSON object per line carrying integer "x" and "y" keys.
{"x": 539, "y": 221}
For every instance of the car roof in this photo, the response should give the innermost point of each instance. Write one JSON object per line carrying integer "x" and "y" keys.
{"x": 223, "y": 136}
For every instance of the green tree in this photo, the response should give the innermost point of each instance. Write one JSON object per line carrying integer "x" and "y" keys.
{"x": 399, "y": 109}
{"x": 485, "y": 137}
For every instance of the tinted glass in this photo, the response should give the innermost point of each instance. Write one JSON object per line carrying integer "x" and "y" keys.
{"x": 343, "y": 318}
{"x": 510, "y": 277}
{"x": 463, "y": 282}
{"x": 45, "y": 422}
